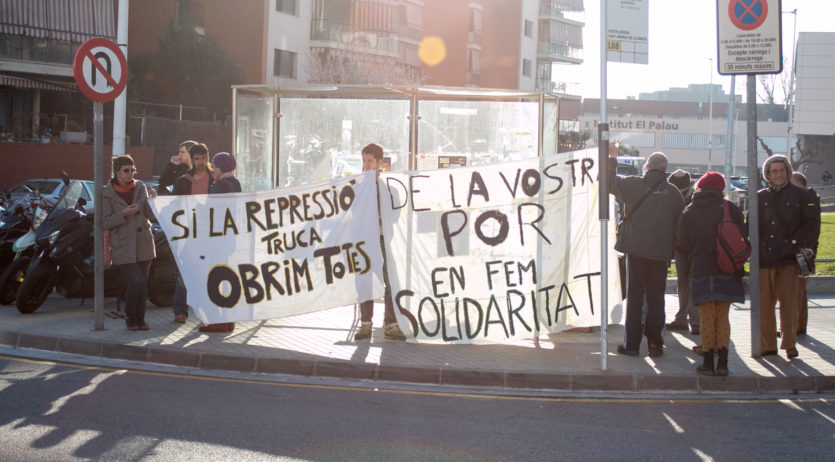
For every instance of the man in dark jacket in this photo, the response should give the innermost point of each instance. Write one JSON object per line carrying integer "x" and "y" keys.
{"x": 814, "y": 201}
{"x": 652, "y": 207}
{"x": 681, "y": 180}
{"x": 786, "y": 224}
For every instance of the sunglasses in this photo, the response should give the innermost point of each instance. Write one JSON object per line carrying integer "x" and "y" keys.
{"x": 129, "y": 170}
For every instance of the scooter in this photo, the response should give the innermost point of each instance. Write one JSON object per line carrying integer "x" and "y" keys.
{"x": 22, "y": 251}
{"x": 64, "y": 259}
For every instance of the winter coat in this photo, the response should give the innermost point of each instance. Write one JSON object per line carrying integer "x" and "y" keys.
{"x": 696, "y": 237}
{"x": 226, "y": 185}
{"x": 169, "y": 176}
{"x": 786, "y": 223}
{"x": 650, "y": 232}
{"x": 131, "y": 240}
{"x": 182, "y": 186}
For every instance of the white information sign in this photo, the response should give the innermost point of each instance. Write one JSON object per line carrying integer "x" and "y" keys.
{"x": 627, "y": 30}
{"x": 749, "y": 39}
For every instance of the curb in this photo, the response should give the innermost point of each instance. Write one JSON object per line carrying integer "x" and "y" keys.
{"x": 502, "y": 380}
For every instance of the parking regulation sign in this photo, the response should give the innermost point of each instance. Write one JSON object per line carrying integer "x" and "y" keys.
{"x": 749, "y": 36}
{"x": 100, "y": 69}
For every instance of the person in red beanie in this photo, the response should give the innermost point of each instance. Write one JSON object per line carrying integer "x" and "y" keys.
{"x": 711, "y": 289}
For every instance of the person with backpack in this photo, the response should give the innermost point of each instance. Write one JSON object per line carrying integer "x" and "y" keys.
{"x": 712, "y": 289}
{"x": 786, "y": 225}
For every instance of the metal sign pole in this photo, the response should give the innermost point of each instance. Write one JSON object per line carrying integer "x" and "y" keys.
{"x": 98, "y": 239}
{"x": 753, "y": 214}
{"x": 603, "y": 194}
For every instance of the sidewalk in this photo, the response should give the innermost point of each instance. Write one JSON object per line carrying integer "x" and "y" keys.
{"x": 319, "y": 345}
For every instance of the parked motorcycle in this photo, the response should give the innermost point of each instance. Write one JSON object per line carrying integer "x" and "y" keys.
{"x": 33, "y": 210}
{"x": 64, "y": 259}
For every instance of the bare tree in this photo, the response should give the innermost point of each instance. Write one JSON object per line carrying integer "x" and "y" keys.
{"x": 810, "y": 149}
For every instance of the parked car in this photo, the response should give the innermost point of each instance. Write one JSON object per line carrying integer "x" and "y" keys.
{"x": 51, "y": 189}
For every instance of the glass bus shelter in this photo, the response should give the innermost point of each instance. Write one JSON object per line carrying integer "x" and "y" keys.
{"x": 292, "y": 135}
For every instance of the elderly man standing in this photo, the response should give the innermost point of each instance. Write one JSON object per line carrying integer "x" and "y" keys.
{"x": 646, "y": 235}
{"x": 786, "y": 224}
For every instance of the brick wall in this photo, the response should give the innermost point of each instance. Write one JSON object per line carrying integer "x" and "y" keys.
{"x": 22, "y": 161}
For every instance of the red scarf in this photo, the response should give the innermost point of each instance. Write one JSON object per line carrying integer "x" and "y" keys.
{"x": 126, "y": 191}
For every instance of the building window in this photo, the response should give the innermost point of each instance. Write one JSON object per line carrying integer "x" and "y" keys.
{"x": 526, "y": 67}
{"x": 285, "y": 64}
{"x": 472, "y": 61}
{"x": 286, "y": 6}
{"x": 528, "y": 28}
{"x": 475, "y": 20}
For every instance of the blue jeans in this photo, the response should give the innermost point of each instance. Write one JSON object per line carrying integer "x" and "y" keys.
{"x": 136, "y": 295}
{"x": 644, "y": 278}
{"x": 179, "y": 305}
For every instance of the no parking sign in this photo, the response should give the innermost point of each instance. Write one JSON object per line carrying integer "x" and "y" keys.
{"x": 100, "y": 70}
{"x": 749, "y": 34}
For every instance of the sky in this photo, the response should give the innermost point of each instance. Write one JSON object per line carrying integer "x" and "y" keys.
{"x": 682, "y": 38}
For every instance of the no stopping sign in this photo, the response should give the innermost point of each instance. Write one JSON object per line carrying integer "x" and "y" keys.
{"x": 100, "y": 69}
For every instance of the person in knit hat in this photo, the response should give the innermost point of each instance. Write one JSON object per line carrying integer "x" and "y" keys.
{"x": 682, "y": 181}
{"x": 712, "y": 290}
{"x": 786, "y": 225}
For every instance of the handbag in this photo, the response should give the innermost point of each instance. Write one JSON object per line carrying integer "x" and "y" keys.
{"x": 626, "y": 216}
{"x": 108, "y": 261}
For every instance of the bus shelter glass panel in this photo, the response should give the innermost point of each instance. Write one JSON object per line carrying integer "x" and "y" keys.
{"x": 458, "y": 133}
{"x": 321, "y": 139}
{"x": 254, "y": 138}
{"x": 550, "y": 122}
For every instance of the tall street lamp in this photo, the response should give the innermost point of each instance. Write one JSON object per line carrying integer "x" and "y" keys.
{"x": 790, "y": 96}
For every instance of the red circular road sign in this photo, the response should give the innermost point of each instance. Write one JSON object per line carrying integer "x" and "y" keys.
{"x": 748, "y": 14}
{"x": 100, "y": 69}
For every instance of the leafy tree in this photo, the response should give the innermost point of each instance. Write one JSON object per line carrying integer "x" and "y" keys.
{"x": 187, "y": 69}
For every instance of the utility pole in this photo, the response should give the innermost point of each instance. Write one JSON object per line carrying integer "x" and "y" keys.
{"x": 790, "y": 96}
{"x": 710, "y": 119}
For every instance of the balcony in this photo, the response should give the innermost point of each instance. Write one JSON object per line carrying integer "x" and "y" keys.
{"x": 561, "y": 52}
{"x": 570, "y": 11}
{"x": 327, "y": 34}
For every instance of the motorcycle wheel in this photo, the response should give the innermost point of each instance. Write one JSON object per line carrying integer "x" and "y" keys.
{"x": 11, "y": 278}
{"x": 33, "y": 292}
{"x": 161, "y": 298}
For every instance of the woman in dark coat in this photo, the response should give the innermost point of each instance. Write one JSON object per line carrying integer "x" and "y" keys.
{"x": 711, "y": 289}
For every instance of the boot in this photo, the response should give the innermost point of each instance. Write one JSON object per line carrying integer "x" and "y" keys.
{"x": 707, "y": 366}
{"x": 722, "y": 363}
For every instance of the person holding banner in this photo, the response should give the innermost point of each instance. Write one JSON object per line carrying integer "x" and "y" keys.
{"x": 125, "y": 212}
{"x": 372, "y": 159}
{"x": 223, "y": 175}
{"x": 646, "y": 234}
{"x": 198, "y": 180}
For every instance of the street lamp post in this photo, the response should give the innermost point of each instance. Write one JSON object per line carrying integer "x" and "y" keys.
{"x": 790, "y": 96}
{"x": 710, "y": 118}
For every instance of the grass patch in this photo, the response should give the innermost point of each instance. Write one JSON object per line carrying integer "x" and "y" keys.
{"x": 826, "y": 248}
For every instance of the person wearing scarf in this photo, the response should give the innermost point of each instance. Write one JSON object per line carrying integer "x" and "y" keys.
{"x": 125, "y": 213}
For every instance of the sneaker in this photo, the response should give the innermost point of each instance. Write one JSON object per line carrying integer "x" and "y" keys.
{"x": 677, "y": 325}
{"x": 393, "y": 332}
{"x": 179, "y": 319}
{"x": 364, "y": 333}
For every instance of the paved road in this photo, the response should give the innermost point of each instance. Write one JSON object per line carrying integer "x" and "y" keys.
{"x": 56, "y": 412}
{"x": 320, "y": 344}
